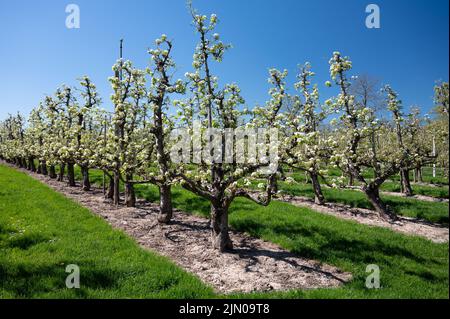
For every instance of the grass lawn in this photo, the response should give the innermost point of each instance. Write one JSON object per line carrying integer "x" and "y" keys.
{"x": 41, "y": 232}
{"x": 427, "y": 175}
{"x": 411, "y": 267}
{"x": 437, "y": 212}
{"x": 438, "y": 191}
{"x": 418, "y": 189}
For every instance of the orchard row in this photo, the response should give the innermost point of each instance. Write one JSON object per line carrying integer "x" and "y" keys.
{"x": 357, "y": 130}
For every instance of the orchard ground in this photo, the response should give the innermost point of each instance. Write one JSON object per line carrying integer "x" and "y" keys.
{"x": 41, "y": 232}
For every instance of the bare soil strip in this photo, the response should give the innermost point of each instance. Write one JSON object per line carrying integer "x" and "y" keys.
{"x": 254, "y": 265}
{"x": 407, "y": 225}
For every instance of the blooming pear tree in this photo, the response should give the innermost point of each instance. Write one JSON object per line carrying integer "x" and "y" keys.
{"x": 216, "y": 111}
{"x": 86, "y": 128}
{"x": 357, "y": 124}
{"x": 419, "y": 141}
{"x": 394, "y": 105}
{"x": 158, "y": 99}
{"x": 127, "y": 142}
{"x": 441, "y": 96}
{"x": 306, "y": 146}
{"x": 35, "y": 135}
{"x": 12, "y": 138}
{"x": 439, "y": 128}
{"x": 198, "y": 133}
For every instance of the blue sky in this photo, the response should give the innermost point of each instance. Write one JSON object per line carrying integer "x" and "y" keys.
{"x": 410, "y": 51}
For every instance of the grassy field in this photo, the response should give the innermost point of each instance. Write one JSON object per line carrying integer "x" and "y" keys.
{"x": 432, "y": 211}
{"x": 433, "y": 191}
{"x": 41, "y": 232}
{"x": 411, "y": 267}
{"x": 437, "y": 190}
{"x": 59, "y": 232}
{"x": 427, "y": 175}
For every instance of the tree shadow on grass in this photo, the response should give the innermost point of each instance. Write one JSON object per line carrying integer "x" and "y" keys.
{"x": 191, "y": 204}
{"x": 397, "y": 207}
{"x": 26, "y": 241}
{"x": 328, "y": 244}
{"x": 27, "y": 280}
{"x": 424, "y": 274}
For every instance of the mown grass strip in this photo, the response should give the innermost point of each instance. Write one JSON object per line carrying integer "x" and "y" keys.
{"x": 41, "y": 232}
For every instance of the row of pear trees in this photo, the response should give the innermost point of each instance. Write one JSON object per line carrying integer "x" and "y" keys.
{"x": 133, "y": 145}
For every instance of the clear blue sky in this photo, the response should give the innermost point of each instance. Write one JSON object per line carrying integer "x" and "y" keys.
{"x": 38, "y": 53}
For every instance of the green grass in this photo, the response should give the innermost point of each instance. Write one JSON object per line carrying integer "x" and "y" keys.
{"x": 345, "y": 244}
{"x": 427, "y": 175}
{"x": 418, "y": 189}
{"x": 41, "y": 232}
{"x": 411, "y": 267}
{"x": 438, "y": 189}
{"x": 436, "y": 212}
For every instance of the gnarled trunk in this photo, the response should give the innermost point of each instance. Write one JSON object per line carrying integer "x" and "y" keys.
{"x": 130, "y": 195}
{"x": 52, "y": 172}
{"x": 71, "y": 174}
{"x": 110, "y": 193}
{"x": 31, "y": 165}
{"x": 44, "y": 168}
{"x": 318, "y": 195}
{"x": 116, "y": 194}
{"x": 219, "y": 227}
{"x": 373, "y": 195}
{"x": 165, "y": 204}
{"x": 62, "y": 169}
{"x": 86, "y": 183}
{"x": 350, "y": 180}
{"x": 419, "y": 177}
{"x": 405, "y": 182}
{"x": 22, "y": 162}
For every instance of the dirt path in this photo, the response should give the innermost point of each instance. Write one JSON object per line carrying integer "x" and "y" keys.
{"x": 407, "y": 225}
{"x": 254, "y": 265}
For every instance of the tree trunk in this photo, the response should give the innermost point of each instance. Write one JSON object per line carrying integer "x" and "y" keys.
{"x": 44, "y": 168}
{"x": 405, "y": 182}
{"x": 110, "y": 193}
{"x": 165, "y": 204}
{"x": 116, "y": 194}
{"x": 318, "y": 195}
{"x": 219, "y": 227}
{"x": 419, "y": 174}
{"x": 31, "y": 165}
{"x": 130, "y": 195}
{"x": 86, "y": 183}
{"x": 62, "y": 169}
{"x": 71, "y": 174}
{"x": 52, "y": 172}
{"x": 373, "y": 195}
{"x": 350, "y": 180}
